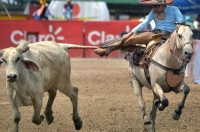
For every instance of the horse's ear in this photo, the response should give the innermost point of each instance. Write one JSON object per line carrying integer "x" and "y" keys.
{"x": 178, "y": 23}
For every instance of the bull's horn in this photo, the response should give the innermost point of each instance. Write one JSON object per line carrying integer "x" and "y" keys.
{"x": 23, "y": 46}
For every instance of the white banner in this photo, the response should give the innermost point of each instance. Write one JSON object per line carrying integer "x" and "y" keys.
{"x": 83, "y": 10}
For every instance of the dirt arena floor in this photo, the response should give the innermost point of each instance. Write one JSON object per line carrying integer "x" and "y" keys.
{"x": 106, "y": 103}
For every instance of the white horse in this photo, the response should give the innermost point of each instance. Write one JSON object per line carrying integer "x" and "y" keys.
{"x": 172, "y": 56}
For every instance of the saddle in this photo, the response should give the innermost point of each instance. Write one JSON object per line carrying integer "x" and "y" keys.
{"x": 142, "y": 56}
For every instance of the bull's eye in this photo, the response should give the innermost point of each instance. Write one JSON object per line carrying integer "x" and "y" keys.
{"x": 4, "y": 60}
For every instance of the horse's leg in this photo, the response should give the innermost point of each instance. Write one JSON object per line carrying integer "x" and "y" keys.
{"x": 138, "y": 92}
{"x": 153, "y": 112}
{"x": 177, "y": 113}
{"x": 48, "y": 110}
{"x": 162, "y": 102}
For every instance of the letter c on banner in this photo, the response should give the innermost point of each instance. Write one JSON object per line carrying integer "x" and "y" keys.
{"x": 12, "y": 36}
{"x": 90, "y": 38}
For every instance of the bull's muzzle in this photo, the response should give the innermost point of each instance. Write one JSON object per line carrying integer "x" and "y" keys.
{"x": 12, "y": 77}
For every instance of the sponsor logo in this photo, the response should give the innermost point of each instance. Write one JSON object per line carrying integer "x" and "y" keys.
{"x": 32, "y": 37}
{"x": 97, "y": 37}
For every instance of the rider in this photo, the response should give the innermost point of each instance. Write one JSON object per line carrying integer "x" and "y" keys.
{"x": 164, "y": 16}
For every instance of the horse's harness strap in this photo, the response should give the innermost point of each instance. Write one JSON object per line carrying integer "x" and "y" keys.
{"x": 175, "y": 71}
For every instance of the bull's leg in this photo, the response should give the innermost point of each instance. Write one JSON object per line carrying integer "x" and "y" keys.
{"x": 153, "y": 113}
{"x": 37, "y": 105}
{"x": 138, "y": 92}
{"x": 74, "y": 99}
{"x": 72, "y": 93}
{"x": 177, "y": 113}
{"x": 15, "y": 112}
{"x": 48, "y": 110}
{"x": 162, "y": 101}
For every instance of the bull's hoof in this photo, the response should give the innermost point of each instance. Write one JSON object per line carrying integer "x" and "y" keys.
{"x": 78, "y": 124}
{"x": 38, "y": 122}
{"x": 41, "y": 118}
{"x": 176, "y": 115}
{"x": 50, "y": 120}
{"x": 147, "y": 120}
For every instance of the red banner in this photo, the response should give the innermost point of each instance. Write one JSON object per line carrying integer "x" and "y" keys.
{"x": 11, "y": 32}
{"x": 99, "y": 32}
{"x": 75, "y": 32}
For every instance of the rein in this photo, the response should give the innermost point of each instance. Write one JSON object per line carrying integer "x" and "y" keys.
{"x": 171, "y": 50}
{"x": 175, "y": 71}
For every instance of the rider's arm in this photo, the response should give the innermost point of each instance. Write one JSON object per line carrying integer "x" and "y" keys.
{"x": 144, "y": 24}
{"x": 178, "y": 15}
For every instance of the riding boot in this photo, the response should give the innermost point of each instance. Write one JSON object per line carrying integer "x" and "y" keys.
{"x": 106, "y": 50}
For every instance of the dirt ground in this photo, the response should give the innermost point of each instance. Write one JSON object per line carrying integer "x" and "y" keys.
{"x": 106, "y": 103}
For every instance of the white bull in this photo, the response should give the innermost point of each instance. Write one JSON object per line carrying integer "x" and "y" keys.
{"x": 34, "y": 69}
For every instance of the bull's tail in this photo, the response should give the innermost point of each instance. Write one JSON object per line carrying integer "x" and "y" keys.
{"x": 67, "y": 46}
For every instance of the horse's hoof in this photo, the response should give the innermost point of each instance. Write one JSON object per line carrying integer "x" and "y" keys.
{"x": 50, "y": 120}
{"x": 160, "y": 106}
{"x": 176, "y": 115}
{"x": 78, "y": 124}
{"x": 147, "y": 120}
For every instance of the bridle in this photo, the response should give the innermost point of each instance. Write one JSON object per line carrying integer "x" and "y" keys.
{"x": 182, "y": 45}
{"x": 175, "y": 71}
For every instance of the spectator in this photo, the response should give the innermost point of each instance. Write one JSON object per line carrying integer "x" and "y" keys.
{"x": 41, "y": 11}
{"x": 197, "y": 21}
{"x": 189, "y": 22}
{"x": 43, "y": 15}
{"x": 68, "y": 10}
{"x": 36, "y": 17}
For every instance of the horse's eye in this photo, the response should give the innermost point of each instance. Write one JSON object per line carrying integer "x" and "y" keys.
{"x": 18, "y": 58}
{"x": 180, "y": 36}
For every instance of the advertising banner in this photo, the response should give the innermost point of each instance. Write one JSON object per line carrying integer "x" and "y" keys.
{"x": 91, "y": 33}
{"x": 99, "y": 32}
{"x": 33, "y": 31}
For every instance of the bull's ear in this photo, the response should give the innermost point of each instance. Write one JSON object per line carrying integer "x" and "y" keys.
{"x": 1, "y": 59}
{"x": 30, "y": 65}
{"x": 23, "y": 46}
{"x": 1, "y": 52}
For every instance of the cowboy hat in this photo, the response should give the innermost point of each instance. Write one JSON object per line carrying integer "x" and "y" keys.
{"x": 157, "y": 2}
